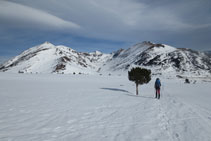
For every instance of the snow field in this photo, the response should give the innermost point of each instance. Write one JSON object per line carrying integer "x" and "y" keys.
{"x": 49, "y": 107}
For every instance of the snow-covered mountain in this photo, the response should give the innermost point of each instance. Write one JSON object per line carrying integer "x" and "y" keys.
{"x": 48, "y": 58}
{"x": 160, "y": 58}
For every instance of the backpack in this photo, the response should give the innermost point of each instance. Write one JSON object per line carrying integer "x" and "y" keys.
{"x": 157, "y": 84}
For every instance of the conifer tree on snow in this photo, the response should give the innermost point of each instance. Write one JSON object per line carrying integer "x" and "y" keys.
{"x": 140, "y": 76}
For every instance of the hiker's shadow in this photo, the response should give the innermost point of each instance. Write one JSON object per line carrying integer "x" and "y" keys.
{"x": 126, "y": 92}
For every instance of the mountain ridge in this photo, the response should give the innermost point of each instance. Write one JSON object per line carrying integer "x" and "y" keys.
{"x": 163, "y": 59}
{"x": 160, "y": 58}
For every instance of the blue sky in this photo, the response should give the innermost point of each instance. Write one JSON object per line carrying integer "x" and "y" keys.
{"x": 88, "y": 25}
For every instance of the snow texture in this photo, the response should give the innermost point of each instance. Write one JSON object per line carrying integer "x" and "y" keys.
{"x": 49, "y": 107}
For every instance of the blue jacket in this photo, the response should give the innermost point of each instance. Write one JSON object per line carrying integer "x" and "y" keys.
{"x": 157, "y": 84}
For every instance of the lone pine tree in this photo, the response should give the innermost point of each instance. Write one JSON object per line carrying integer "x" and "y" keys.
{"x": 139, "y": 76}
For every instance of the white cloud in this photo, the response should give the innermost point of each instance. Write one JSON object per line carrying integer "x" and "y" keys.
{"x": 17, "y": 15}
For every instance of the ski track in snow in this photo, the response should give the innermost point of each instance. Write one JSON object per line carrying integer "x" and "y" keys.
{"x": 57, "y": 107}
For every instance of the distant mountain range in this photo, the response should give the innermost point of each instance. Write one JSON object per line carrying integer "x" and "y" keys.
{"x": 160, "y": 58}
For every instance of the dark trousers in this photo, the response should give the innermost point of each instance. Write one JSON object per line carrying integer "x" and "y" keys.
{"x": 157, "y": 93}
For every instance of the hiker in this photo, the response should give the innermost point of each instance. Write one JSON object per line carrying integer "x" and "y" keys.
{"x": 157, "y": 88}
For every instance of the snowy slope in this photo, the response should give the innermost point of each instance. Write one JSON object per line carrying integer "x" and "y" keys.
{"x": 161, "y": 59}
{"x": 47, "y": 58}
{"x": 39, "y": 107}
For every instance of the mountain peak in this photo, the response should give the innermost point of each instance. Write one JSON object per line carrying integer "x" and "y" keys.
{"x": 48, "y": 58}
{"x": 46, "y": 43}
{"x": 148, "y": 44}
{"x": 97, "y": 52}
{"x": 151, "y": 45}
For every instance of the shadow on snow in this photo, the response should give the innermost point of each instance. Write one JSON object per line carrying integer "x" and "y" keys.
{"x": 127, "y": 92}
{"x": 115, "y": 89}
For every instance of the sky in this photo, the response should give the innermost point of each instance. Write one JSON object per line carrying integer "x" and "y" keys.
{"x": 104, "y": 25}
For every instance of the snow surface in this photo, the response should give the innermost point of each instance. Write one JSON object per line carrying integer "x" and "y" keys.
{"x": 50, "y": 107}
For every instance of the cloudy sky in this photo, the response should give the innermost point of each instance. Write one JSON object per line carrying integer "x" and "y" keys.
{"x": 105, "y": 25}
